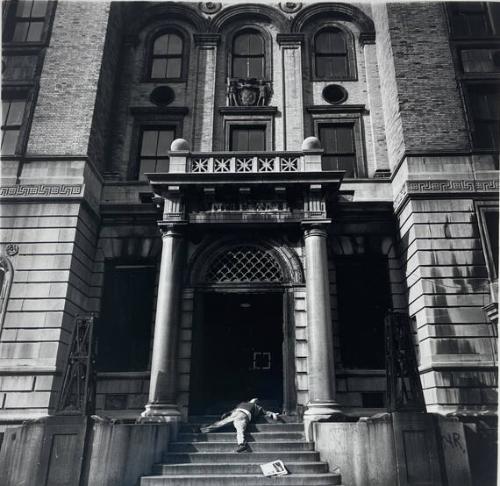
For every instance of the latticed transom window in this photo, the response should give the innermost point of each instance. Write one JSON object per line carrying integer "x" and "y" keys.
{"x": 245, "y": 264}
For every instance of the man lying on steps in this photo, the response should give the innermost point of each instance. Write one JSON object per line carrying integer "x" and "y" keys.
{"x": 240, "y": 416}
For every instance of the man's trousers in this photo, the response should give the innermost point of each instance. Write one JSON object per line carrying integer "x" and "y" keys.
{"x": 240, "y": 421}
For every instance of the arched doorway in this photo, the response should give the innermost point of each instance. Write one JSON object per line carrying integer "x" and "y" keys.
{"x": 243, "y": 339}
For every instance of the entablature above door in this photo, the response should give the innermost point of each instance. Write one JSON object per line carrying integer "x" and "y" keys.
{"x": 245, "y": 198}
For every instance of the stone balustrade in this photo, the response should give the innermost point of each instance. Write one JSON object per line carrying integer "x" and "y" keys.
{"x": 245, "y": 162}
{"x": 182, "y": 160}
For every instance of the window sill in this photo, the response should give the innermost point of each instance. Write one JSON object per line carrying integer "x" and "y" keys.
{"x": 248, "y": 110}
{"x": 169, "y": 110}
{"x": 340, "y": 108}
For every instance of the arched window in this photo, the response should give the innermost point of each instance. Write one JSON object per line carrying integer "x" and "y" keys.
{"x": 167, "y": 56}
{"x": 331, "y": 54}
{"x": 248, "y": 58}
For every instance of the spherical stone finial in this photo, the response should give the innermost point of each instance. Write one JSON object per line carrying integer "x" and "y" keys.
{"x": 311, "y": 143}
{"x": 179, "y": 145}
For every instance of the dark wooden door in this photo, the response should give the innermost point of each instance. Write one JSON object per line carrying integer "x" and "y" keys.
{"x": 240, "y": 352}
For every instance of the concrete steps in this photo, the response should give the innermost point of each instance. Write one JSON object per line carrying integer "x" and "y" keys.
{"x": 242, "y": 480}
{"x": 236, "y": 468}
{"x": 210, "y": 459}
{"x": 251, "y": 437}
{"x": 219, "y": 446}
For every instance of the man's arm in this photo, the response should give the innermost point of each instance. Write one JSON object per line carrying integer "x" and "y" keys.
{"x": 267, "y": 413}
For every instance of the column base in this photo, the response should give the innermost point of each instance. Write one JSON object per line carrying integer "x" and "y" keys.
{"x": 160, "y": 412}
{"x": 319, "y": 412}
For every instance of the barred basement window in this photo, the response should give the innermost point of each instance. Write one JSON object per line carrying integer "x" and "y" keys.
{"x": 245, "y": 264}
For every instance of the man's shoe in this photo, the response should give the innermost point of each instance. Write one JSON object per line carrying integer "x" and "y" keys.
{"x": 204, "y": 430}
{"x": 242, "y": 447}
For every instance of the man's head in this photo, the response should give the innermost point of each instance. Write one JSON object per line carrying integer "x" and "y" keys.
{"x": 254, "y": 400}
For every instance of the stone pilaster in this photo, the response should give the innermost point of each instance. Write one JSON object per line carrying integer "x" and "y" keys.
{"x": 203, "y": 106}
{"x": 293, "y": 129}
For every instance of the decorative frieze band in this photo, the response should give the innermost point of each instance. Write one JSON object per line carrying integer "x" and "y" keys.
{"x": 446, "y": 186}
{"x": 42, "y": 190}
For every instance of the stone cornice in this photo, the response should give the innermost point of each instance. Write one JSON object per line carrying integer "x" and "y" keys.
{"x": 466, "y": 187}
{"x": 288, "y": 39}
{"x": 207, "y": 39}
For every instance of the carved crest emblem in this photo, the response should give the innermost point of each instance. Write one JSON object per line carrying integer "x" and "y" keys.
{"x": 248, "y": 96}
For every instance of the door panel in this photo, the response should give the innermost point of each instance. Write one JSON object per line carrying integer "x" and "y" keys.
{"x": 239, "y": 352}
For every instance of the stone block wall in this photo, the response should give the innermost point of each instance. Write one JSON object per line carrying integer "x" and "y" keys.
{"x": 51, "y": 273}
{"x": 49, "y": 211}
{"x": 448, "y": 287}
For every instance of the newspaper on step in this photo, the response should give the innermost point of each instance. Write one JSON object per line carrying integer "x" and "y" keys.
{"x": 274, "y": 468}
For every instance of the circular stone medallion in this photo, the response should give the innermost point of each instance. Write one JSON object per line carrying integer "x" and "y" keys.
{"x": 334, "y": 94}
{"x": 162, "y": 95}
{"x": 209, "y": 7}
{"x": 290, "y": 7}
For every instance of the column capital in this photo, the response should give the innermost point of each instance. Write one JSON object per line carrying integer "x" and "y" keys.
{"x": 316, "y": 228}
{"x": 293, "y": 39}
{"x": 207, "y": 39}
{"x": 172, "y": 229}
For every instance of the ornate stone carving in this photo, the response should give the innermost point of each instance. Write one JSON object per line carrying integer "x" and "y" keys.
{"x": 11, "y": 249}
{"x": 209, "y": 7}
{"x": 445, "y": 186}
{"x": 248, "y": 92}
{"x": 42, "y": 190}
{"x": 290, "y": 7}
{"x": 249, "y": 205}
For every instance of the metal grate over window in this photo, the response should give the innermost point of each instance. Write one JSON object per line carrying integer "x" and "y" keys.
{"x": 245, "y": 264}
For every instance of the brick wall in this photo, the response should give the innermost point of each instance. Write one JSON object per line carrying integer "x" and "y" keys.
{"x": 422, "y": 106}
{"x": 101, "y": 126}
{"x": 68, "y": 85}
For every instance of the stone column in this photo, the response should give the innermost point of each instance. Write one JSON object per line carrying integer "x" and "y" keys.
{"x": 321, "y": 364}
{"x": 293, "y": 116}
{"x": 162, "y": 403}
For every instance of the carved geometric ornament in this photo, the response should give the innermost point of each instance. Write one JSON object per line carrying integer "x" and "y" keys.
{"x": 245, "y": 264}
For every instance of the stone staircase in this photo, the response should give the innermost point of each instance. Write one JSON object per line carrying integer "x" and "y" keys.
{"x": 209, "y": 459}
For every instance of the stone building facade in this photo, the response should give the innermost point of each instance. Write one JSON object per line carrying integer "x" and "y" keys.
{"x": 239, "y": 193}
